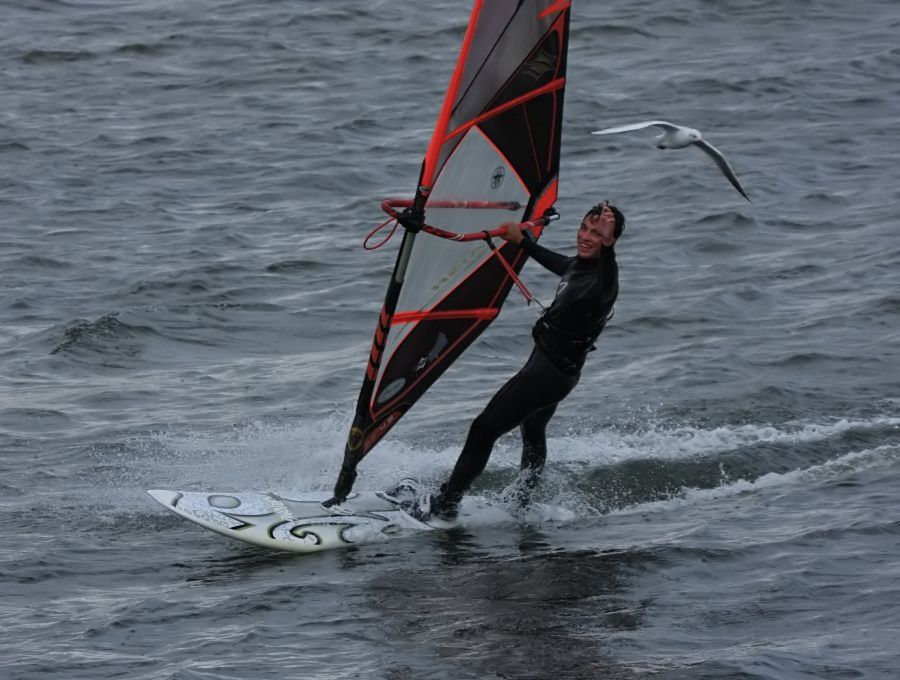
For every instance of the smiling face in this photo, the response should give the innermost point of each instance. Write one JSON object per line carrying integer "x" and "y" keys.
{"x": 595, "y": 232}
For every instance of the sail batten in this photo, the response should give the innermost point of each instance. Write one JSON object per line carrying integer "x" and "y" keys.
{"x": 495, "y": 145}
{"x": 551, "y": 87}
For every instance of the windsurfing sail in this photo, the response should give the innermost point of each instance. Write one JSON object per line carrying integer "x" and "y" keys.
{"x": 493, "y": 157}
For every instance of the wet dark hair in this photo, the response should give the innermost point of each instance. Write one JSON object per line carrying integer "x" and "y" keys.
{"x": 620, "y": 218}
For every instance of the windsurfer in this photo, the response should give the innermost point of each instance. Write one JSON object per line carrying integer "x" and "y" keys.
{"x": 563, "y": 336}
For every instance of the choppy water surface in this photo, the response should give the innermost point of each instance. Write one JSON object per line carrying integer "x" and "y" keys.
{"x": 186, "y": 303}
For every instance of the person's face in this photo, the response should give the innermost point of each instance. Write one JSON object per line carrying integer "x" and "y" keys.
{"x": 595, "y": 232}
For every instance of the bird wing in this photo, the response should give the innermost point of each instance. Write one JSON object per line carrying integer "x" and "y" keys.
{"x": 720, "y": 161}
{"x": 636, "y": 126}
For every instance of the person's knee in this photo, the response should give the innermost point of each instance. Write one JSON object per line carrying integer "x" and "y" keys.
{"x": 537, "y": 421}
{"x": 483, "y": 429}
{"x": 533, "y": 431}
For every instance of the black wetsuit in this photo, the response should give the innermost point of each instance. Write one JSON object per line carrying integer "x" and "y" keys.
{"x": 563, "y": 336}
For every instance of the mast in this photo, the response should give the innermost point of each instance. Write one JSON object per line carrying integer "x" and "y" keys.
{"x": 354, "y": 449}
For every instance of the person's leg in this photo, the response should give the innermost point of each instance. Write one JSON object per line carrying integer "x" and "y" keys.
{"x": 534, "y": 451}
{"x": 534, "y": 438}
{"x": 499, "y": 417}
{"x": 537, "y": 386}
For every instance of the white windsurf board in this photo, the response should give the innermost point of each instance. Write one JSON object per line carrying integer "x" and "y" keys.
{"x": 296, "y": 522}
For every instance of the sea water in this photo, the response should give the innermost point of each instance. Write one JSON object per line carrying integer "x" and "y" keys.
{"x": 186, "y": 303}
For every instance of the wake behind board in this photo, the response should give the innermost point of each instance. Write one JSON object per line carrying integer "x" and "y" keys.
{"x": 296, "y": 521}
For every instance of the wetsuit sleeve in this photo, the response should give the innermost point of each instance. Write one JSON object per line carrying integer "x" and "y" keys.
{"x": 545, "y": 257}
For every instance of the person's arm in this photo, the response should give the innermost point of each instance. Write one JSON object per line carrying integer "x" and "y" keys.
{"x": 545, "y": 257}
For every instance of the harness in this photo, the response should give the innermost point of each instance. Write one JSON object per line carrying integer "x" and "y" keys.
{"x": 567, "y": 351}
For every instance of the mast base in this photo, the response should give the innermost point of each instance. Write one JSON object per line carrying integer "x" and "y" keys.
{"x": 342, "y": 487}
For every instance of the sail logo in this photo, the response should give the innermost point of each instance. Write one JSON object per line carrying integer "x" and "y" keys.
{"x": 355, "y": 438}
{"x": 497, "y": 177}
{"x": 389, "y": 391}
{"x": 542, "y": 63}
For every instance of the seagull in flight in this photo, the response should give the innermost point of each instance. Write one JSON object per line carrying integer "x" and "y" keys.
{"x": 678, "y": 137}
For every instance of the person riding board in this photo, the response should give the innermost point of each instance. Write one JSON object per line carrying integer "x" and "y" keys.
{"x": 563, "y": 336}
